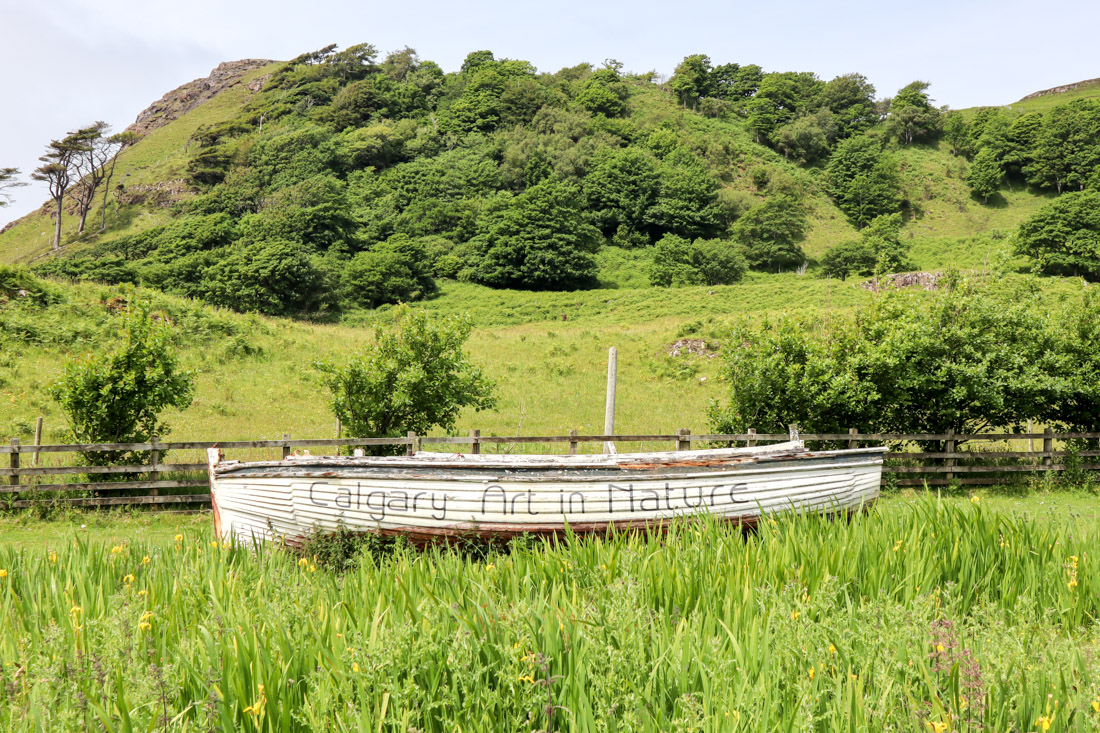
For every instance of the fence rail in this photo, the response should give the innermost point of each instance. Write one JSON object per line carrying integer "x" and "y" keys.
{"x": 932, "y": 468}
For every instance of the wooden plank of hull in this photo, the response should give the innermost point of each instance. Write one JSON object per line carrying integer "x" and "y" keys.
{"x": 266, "y": 505}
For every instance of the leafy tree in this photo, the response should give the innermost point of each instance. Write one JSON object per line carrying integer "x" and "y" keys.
{"x": 7, "y": 182}
{"x": 415, "y": 376}
{"x": 395, "y": 271}
{"x": 965, "y": 359}
{"x": 851, "y": 99}
{"x": 775, "y": 103}
{"x": 604, "y": 93}
{"x": 1064, "y": 237}
{"x": 1022, "y": 135}
{"x": 1066, "y": 149}
{"x": 912, "y": 117}
{"x": 879, "y": 250}
{"x": 807, "y": 139}
{"x": 540, "y": 241}
{"x": 847, "y": 258}
{"x": 691, "y": 80}
{"x": 771, "y": 232}
{"x": 277, "y": 277}
{"x": 862, "y": 179}
{"x": 678, "y": 261}
{"x": 956, "y": 133}
{"x": 985, "y": 175}
{"x": 621, "y": 188}
{"x": 118, "y": 397}
{"x": 687, "y": 201}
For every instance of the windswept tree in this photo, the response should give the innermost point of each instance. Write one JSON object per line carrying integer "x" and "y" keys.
{"x": 57, "y": 171}
{"x": 118, "y": 142}
{"x": 89, "y": 167}
{"x": 8, "y": 181}
{"x": 912, "y": 117}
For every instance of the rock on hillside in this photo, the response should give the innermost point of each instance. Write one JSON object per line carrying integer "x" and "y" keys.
{"x": 183, "y": 99}
{"x": 1062, "y": 89}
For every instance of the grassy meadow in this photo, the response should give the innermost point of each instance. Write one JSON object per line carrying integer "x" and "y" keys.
{"x": 921, "y": 614}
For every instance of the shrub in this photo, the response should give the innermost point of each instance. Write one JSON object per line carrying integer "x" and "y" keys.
{"x": 676, "y": 262}
{"x": 414, "y": 377}
{"x": 1064, "y": 237}
{"x": 276, "y": 277}
{"x": 118, "y": 397}
{"x": 395, "y": 271}
{"x": 771, "y": 232}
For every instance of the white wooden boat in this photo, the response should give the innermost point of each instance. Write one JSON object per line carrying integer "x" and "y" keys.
{"x": 435, "y": 495}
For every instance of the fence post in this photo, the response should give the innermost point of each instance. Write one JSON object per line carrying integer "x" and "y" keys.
{"x": 154, "y": 460}
{"x": 37, "y": 440}
{"x": 852, "y": 442}
{"x": 286, "y": 448}
{"x": 1048, "y": 448}
{"x": 949, "y": 447}
{"x": 414, "y": 443}
{"x": 751, "y": 441}
{"x": 573, "y": 443}
{"x": 14, "y": 480}
{"x": 475, "y": 447}
{"x": 683, "y": 442}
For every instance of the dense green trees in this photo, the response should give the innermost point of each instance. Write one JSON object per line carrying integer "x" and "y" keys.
{"x": 862, "y": 179}
{"x": 1064, "y": 237}
{"x": 985, "y": 175}
{"x": 912, "y": 117}
{"x": 540, "y": 241}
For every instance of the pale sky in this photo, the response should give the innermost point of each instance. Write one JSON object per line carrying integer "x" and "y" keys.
{"x": 67, "y": 63}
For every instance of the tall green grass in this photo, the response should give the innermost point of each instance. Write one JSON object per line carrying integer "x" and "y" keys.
{"x": 929, "y": 616}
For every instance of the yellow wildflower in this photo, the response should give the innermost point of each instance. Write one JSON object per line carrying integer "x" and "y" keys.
{"x": 795, "y": 615}
{"x": 939, "y": 648}
{"x": 937, "y": 726}
{"x": 832, "y": 649}
{"x": 143, "y": 592}
{"x": 117, "y": 549}
{"x": 735, "y": 714}
{"x": 128, "y": 578}
{"x": 179, "y": 538}
{"x": 3, "y": 573}
{"x": 145, "y": 560}
{"x": 1096, "y": 706}
{"x": 1044, "y": 722}
{"x": 526, "y": 678}
{"x": 490, "y": 566}
{"x": 145, "y": 626}
{"x": 53, "y": 557}
{"x": 76, "y": 611}
{"x": 303, "y": 562}
{"x": 897, "y": 545}
{"x": 355, "y": 666}
{"x": 811, "y": 673}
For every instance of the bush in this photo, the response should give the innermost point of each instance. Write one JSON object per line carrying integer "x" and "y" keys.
{"x": 414, "y": 377}
{"x": 676, "y": 262}
{"x": 879, "y": 250}
{"x": 118, "y": 397}
{"x": 771, "y": 232}
{"x": 965, "y": 359}
{"x": 277, "y": 278}
{"x": 396, "y": 271}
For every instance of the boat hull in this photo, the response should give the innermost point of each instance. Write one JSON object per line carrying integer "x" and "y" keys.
{"x": 433, "y": 496}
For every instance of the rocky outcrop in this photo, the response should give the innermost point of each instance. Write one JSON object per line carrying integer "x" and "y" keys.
{"x": 1063, "y": 89}
{"x": 182, "y": 100}
{"x": 922, "y": 280}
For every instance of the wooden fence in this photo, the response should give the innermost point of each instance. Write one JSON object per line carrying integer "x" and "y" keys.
{"x": 30, "y": 481}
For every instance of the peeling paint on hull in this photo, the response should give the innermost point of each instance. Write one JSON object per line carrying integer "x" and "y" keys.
{"x": 431, "y": 496}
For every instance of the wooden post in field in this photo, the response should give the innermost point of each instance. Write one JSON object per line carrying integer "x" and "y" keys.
{"x": 414, "y": 443}
{"x": 475, "y": 446}
{"x": 609, "y": 407}
{"x": 852, "y": 442}
{"x": 573, "y": 443}
{"x": 286, "y": 448}
{"x": 1048, "y": 448}
{"x": 14, "y": 480}
{"x": 154, "y": 459}
{"x": 683, "y": 441}
{"x": 751, "y": 441}
{"x": 949, "y": 447}
{"x": 37, "y": 440}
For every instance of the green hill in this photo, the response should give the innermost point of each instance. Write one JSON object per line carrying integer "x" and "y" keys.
{"x": 420, "y": 177}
